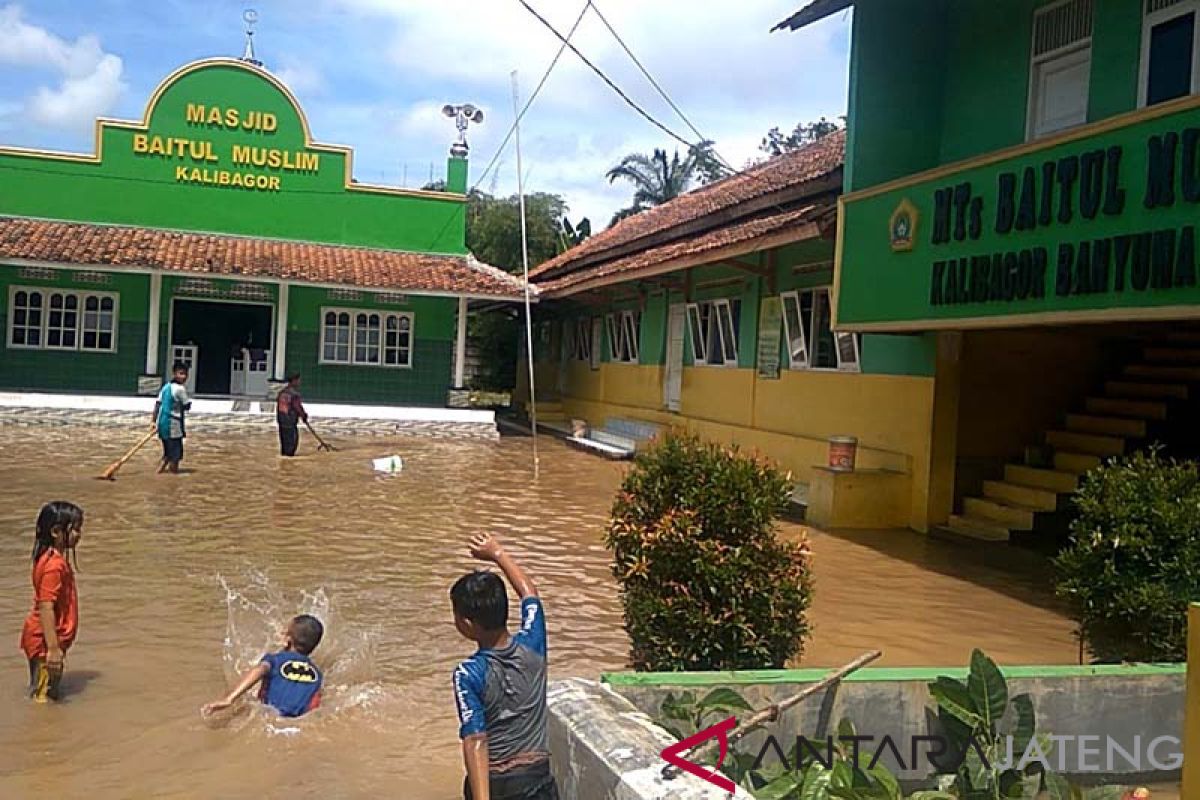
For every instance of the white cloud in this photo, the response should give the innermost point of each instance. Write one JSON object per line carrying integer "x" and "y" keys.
{"x": 90, "y": 80}
{"x": 301, "y": 78}
{"x": 733, "y": 78}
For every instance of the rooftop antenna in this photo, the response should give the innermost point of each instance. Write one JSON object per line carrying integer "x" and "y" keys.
{"x": 250, "y": 17}
{"x": 463, "y": 115}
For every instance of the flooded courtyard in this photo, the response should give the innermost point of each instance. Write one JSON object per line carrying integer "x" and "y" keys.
{"x": 185, "y": 580}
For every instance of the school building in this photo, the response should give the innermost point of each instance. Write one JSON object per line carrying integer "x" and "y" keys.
{"x": 1021, "y": 190}
{"x": 218, "y": 232}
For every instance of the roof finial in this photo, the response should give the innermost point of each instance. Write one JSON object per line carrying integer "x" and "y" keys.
{"x": 250, "y": 17}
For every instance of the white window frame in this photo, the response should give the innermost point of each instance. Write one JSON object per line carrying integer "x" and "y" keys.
{"x": 624, "y": 330}
{"x": 704, "y": 318}
{"x": 808, "y": 336}
{"x": 1073, "y": 52}
{"x": 1149, "y": 21}
{"x": 81, "y": 296}
{"x": 582, "y": 340}
{"x": 381, "y": 346}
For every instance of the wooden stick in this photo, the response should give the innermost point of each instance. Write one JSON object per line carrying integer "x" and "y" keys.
{"x": 321, "y": 443}
{"x": 110, "y": 473}
{"x": 772, "y": 712}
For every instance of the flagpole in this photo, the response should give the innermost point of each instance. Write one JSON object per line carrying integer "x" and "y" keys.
{"x": 525, "y": 263}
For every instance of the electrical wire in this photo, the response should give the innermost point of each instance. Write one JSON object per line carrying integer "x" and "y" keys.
{"x": 537, "y": 90}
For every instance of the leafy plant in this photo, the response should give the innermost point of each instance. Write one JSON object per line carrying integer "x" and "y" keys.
{"x": 705, "y": 583}
{"x": 976, "y": 716}
{"x": 1133, "y": 562}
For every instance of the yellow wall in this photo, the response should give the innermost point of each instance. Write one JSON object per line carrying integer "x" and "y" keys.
{"x": 788, "y": 420}
{"x": 1191, "y": 732}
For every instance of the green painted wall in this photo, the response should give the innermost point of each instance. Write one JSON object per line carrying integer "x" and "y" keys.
{"x": 1085, "y": 269}
{"x": 143, "y": 188}
{"x": 934, "y": 82}
{"x": 72, "y": 370}
{"x": 424, "y": 384}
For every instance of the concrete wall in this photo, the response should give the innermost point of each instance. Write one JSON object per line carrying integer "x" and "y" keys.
{"x": 1191, "y": 776}
{"x": 1119, "y": 702}
{"x": 605, "y": 749}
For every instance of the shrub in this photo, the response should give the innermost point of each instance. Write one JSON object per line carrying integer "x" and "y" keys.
{"x": 705, "y": 583}
{"x": 1133, "y": 562}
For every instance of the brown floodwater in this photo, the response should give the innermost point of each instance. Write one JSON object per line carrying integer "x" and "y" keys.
{"x": 184, "y": 581}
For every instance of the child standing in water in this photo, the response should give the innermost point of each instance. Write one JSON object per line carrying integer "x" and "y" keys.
{"x": 291, "y": 682}
{"x": 50, "y": 628}
{"x": 173, "y": 401}
{"x": 501, "y": 690}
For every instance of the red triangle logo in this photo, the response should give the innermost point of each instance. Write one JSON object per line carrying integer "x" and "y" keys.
{"x": 721, "y": 730}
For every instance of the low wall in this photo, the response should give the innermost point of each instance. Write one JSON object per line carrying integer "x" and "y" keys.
{"x": 1139, "y": 708}
{"x": 605, "y": 749}
{"x": 244, "y": 415}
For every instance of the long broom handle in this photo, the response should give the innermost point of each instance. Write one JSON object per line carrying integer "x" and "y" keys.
{"x": 772, "y": 712}
{"x": 120, "y": 462}
{"x": 316, "y": 435}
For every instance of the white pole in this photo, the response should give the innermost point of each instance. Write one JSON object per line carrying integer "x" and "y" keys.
{"x": 154, "y": 323}
{"x": 460, "y": 345}
{"x": 525, "y": 264}
{"x": 281, "y": 326}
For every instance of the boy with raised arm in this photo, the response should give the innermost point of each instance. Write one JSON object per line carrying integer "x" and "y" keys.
{"x": 500, "y": 691}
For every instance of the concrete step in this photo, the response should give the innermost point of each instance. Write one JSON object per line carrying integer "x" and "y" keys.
{"x": 1109, "y": 426}
{"x": 1078, "y": 463}
{"x": 613, "y": 439}
{"x": 1172, "y": 355}
{"x": 1049, "y": 479}
{"x": 977, "y": 528}
{"x": 1027, "y": 496}
{"x": 1163, "y": 372}
{"x": 1086, "y": 443}
{"x": 1014, "y": 517}
{"x": 1156, "y": 391}
{"x": 1135, "y": 409}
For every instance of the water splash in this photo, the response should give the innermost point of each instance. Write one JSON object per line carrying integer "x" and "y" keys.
{"x": 258, "y": 610}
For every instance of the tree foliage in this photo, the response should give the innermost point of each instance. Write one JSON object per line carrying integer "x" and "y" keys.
{"x": 1133, "y": 562}
{"x": 705, "y": 582}
{"x": 658, "y": 178}
{"x": 776, "y": 143}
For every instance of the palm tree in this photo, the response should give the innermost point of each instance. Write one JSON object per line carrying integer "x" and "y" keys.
{"x": 658, "y": 179}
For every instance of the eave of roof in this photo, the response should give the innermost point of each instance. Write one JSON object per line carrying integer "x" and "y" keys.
{"x": 813, "y": 12}
{"x": 24, "y": 239}
{"x": 721, "y": 244}
{"x": 791, "y": 180}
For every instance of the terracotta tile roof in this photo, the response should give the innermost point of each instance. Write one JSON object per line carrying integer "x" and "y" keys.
{"x": 749, "y": 232}
{"x": 790, "y": 171}
{"x": 214, "y": 254}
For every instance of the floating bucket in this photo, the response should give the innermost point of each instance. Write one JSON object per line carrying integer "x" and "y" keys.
{"x": 390, "y": 464}
{"x": 842, "y": 452}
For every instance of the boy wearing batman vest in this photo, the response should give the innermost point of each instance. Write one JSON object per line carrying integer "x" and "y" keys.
{"x": 290, "y": 681}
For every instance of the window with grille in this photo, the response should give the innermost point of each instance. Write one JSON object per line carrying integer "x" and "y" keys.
{"x": 55, "y": 319}
{"x": 1170, "y": 65}
{"x": 366, "y": 338}
{"x": 713, "y": 329}
{"x": 581, "y": 344}
{"x": 812, "y": 343}
{"x": 1060, "y": 67}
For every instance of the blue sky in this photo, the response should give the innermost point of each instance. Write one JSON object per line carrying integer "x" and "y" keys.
{"x": 373, "y": 74}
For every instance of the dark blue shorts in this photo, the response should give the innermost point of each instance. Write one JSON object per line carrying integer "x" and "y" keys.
{"x": 172, "y": 450}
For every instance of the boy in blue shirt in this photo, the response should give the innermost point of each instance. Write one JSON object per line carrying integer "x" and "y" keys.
{"x": 500, "y": 691}
{"x": 173, "y": 401}
{"x": 291, "y": 682}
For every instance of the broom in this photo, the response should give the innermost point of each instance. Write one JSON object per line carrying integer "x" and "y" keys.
{"x": 110, "y": 473}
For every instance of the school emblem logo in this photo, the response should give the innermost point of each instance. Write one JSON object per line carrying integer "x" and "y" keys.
{"x": 299, "y": 671}
{"x": 902, "y": 227}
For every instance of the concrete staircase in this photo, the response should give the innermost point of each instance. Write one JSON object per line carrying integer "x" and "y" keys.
{"x": 1129, "y": 411}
